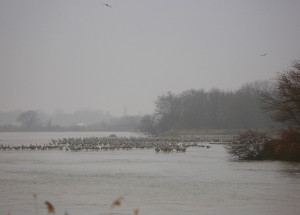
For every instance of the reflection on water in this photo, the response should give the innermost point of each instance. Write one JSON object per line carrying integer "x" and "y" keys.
{"x": 200, "y": 181}
{"x": 290, "y": 169}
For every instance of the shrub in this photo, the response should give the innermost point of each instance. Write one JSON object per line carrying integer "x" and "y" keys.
{"x": 248, "y": 145}
{"x": 255, "y": 145}
{"x": 286, "y": 147}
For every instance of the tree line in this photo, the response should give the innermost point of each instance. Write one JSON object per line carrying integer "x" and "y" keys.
{"x": 213, "y": 109}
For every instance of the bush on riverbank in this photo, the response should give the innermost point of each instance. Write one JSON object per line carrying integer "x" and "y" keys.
{"x": 248, "y": 145}
{"x": 257, "y": 145}
{"x": 286, "y": 147}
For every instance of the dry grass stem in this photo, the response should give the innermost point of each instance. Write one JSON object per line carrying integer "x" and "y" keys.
{"x": 35, "y": 204}
{"x": 117, "y": 202}
{"x": 50, "y": 207}
{"x": 136, "y": 211}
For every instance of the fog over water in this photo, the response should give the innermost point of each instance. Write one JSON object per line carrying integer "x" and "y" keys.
{"x": 74, "y": 54}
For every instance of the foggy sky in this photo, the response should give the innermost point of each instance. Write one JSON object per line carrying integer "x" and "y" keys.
{"x": 75, "y": 54}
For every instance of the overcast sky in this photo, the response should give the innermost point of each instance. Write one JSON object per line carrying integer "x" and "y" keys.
{"x": 77, "y": 54}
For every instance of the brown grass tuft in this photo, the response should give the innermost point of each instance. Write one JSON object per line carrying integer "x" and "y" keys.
{"x": 136, "y": 211}
{"x": 35, "y": 204}
{"x": 50, "y": 207}
{"x": 117, "y": 202}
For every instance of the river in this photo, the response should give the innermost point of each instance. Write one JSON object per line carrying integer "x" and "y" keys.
{"x": 199, "y": 181}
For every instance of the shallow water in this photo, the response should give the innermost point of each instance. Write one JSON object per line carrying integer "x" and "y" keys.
{"x": 200, "y": 181}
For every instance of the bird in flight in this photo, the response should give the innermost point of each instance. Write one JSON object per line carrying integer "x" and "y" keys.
{"x": 264, "y": 54}
{"x": 107, "y": 5}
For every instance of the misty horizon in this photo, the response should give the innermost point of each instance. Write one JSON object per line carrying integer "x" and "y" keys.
{"x": 59, "y": 110}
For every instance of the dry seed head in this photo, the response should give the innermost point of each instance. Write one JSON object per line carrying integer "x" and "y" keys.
{"x": 117, "y": 202}
{"x": 50, "y": 207}
{"x": 136, "y": 211}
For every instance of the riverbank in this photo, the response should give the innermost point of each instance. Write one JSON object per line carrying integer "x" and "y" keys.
{"x": 202, "y": 132}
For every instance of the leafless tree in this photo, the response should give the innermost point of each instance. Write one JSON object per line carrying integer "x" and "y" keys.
{"x": 248, "y": 145}
{"x": 283, "y": 101}
{"x": 147, "y": 124}
{"x": 29, "y": 119}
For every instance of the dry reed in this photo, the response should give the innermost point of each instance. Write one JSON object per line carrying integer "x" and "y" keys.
{"x": 117, "y": 202}
{"x": 50, "y": 207}
{"x": 136, "y": 211}
{"x": 35, "y": 204}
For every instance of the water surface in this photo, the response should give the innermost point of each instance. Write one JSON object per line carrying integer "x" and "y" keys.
{"x": 200, "y": 181}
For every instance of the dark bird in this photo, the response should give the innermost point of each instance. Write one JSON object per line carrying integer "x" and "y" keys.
{"x": 264, "y": 54}
{"x": 107, "y": 5}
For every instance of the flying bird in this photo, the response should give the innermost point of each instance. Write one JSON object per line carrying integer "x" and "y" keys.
{"x": 107, "y": 5}
{"x": 264, "y": 54}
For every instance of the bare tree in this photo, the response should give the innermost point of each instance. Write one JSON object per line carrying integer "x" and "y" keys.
{"x": 248, "y": 145}
{"x": 147, "y": 124}
{"x": 284, "y": 100}
{"x": 29, "y": 119}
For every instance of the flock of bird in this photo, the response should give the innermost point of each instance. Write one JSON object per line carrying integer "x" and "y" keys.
{"x": 159, "y": 144}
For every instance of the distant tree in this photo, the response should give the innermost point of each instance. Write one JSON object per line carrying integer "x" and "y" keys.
{"x": 247, "y": 112}
{"x": 165, "y": 104}
{"x": 147, "y": 124}
{"x": 29, "y": 119}
{"x": 283, "y": 101}
{"x": 166, "y": 111}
